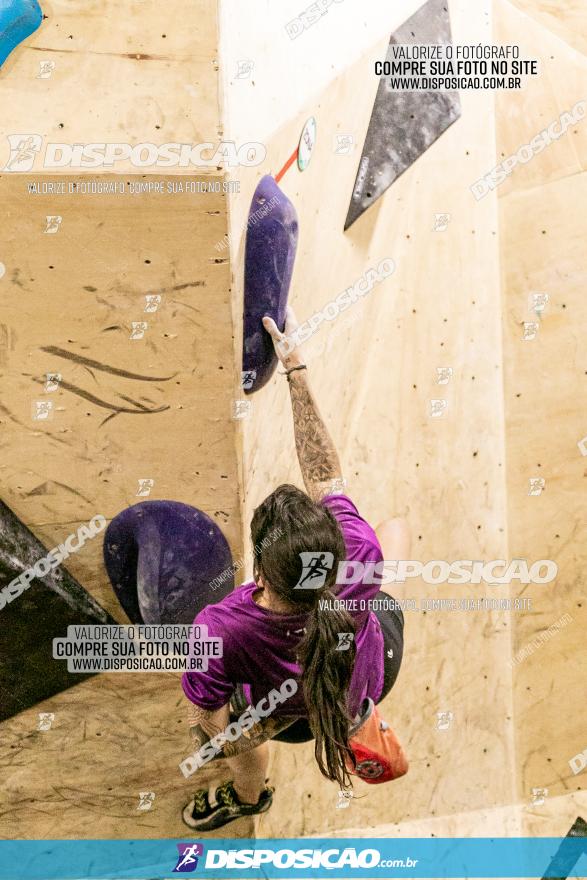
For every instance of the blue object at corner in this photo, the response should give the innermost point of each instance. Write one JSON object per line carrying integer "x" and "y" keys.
{"x": 18, "y": 20}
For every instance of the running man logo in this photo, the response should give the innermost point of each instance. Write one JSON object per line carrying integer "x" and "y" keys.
{"x": 438, "y": 408}
{"x": 315, "y": 567}
{"x": 23, "y": 150}
{"x": 138, "y": 329}
{"x": 52, "y": 381}
{"x": 539, "y": 302}
{"x": 531, "y": 329}
{"x": 248, "y": 378}
{"x": 444, "y": 720}
{"x": 42, "y": 410}
{"x": 344, "y": 144}
{"x": 146, "y": 800}
{"x": 539, "y": 795}
{"x": 344, "y": 800}
{"x": 244, "y": 68}
{"x": 152, "y": 302}
{"x": 345, "y": 641}
{"x": 53, "y": 223}
{"x": 187, "y": 860}
{"x": 241, "y": 408}
{"x": 46, "y": 68}
{"x": 536, "y": 485}
{"x": 441, "y": 222}
{"x": 46, "y": 719}
{"x": 443, "y": 375}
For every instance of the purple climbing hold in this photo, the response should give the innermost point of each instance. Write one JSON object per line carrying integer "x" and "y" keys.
{"x": 167, "y": 561}
{"x": 18, "y": 20}
{"x": 272, "y": 239}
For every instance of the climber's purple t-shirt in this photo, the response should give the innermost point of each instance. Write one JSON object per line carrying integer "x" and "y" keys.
{"x": 259, "y": 645}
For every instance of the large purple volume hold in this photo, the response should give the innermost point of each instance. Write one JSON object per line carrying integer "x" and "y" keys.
{"x": 166, "y": 561}
{"x": 272, "y": 240}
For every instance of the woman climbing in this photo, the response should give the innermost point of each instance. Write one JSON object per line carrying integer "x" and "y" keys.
{"x": 286, "y": 625}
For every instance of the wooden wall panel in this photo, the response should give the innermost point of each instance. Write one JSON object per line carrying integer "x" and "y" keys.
{"x": 374, "y": 377}
{"x": 128, "y": 72}
{"x": 542, "y": 250}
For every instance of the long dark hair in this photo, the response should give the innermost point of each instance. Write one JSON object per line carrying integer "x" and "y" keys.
{"x": 285, "y": 525}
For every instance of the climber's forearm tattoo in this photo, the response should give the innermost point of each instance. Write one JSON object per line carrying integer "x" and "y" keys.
{"x": 316, "y": 453}
{"x": 205, "y": 725}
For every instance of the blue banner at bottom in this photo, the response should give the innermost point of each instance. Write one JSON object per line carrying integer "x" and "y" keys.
{"x": 367, "y": 858}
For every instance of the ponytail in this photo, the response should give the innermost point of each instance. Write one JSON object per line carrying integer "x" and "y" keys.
{"x": 326, "y": 678}
{"x": 285, "y": 526}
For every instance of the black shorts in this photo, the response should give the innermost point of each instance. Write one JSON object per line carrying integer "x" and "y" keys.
{"x": 392, "y": 627}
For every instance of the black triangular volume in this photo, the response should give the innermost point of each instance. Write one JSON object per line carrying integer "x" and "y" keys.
{"x": 403, "y": 125}
{"x": 30, "y": 622}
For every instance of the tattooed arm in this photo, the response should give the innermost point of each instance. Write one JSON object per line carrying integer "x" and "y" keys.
{"x": 205, "y": 724}
{"x": 316, "y": 453}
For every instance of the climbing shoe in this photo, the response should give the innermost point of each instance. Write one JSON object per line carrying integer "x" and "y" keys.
{"x": 201, "y": 815}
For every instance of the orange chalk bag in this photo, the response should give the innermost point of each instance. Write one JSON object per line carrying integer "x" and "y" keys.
{"x": 378, "y": 752}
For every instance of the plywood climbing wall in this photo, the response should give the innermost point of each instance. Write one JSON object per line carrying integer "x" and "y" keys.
{"x": 121, "y": 304}
{"x": 375, "y": 375}
{"x": 150, "y": 407}
{"x": 135, "y": 409}
{"x": 542, "y": 225}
